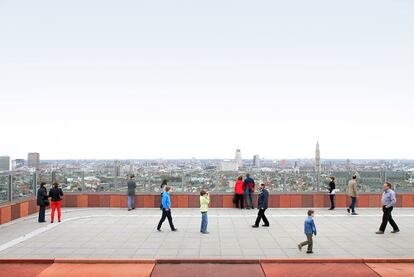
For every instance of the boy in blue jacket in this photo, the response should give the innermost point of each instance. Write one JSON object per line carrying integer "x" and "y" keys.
{"x": 310, "y": 230}
{"x": 166, "y": 209}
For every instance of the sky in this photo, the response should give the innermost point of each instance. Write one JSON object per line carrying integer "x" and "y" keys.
{"x": 181, "y": 79}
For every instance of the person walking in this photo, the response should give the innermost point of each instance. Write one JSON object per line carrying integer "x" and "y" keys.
{"x": 162, "y": 188}
{"x": 56, "y": 195}
{"x": 353, "y": 193}
{"x": 388, "y": 202}
{"x": 131, "y": 192}
{"x": 239, "y": 193}
{"x": 310, "y": 230}
{"x": 204, "y": 202}
{"x": 166, "y": 209}
{"x": 42, "y": 201}
{"x": 262, "y": 205}
{"x": 331, "y": 188}
{"x": 248, "y": 186}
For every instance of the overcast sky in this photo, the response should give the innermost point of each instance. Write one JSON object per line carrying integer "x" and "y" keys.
{"x": 182, "y": 79}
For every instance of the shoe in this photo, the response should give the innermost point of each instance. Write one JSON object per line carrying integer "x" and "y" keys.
{"x": 379, "y": 233}
{"x": 330, "y": 209}
{"x": 133, "y": 208}
{"x": 174, "y": 230}
{"x": 205, "y": 233}
{"x": 59, "y": 221}
{"x": 354, "y": 213}
{"x": 51, "y": 221}
{"x": 264, "y": 225}
{"x": 348, "y": 210}
{"x": 159, "y": 230}
{"x": 395, "y": 231}
{"x": 255, "y": 226}
{"x": 129, "y": 210}
{"x": 247, "y": 208}
{"x": 309, "y": 252}
{"x": 300, "y": 247}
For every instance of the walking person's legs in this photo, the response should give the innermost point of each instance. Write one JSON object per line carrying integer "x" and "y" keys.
{"x": 310, "y": 243}
{"x": 265, "y": 221}
{"x": 163, "y": 217}
{"x": 353, "y": 203}
{"x": 259, "y": 217}
{"x": 170, "y": 220}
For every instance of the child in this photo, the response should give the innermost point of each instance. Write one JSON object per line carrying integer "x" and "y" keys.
{"x": 204, "y": 201}
{"x": 310, "y": 230}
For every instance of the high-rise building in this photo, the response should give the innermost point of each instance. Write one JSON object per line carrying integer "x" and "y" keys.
{"x": 318, "y": 165}
{"x": 238, "y": 159}
{"x": 33, "y": 160}
{"x": 256, "y": 161}
{"x": 117, "y": 168}
{"x": 4, "y": 163}
{"x": 229, "y": 166}
{"x": 17, "y": 163}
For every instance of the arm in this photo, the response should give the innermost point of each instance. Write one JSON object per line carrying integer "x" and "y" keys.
{"x": 354, "y": 187}
{"x": 393, "y": 200}
{"x": 313, "y": 227}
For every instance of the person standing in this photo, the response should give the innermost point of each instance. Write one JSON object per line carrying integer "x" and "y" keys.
{"x": 166, "y": 209}
{"x": 353, "y": 193}
{"x": 388, "y": 202}
{"x": 162, "y": 188}
{"x": 42, "y": 201}
{"x": 262, "y": 205}
{"x": 310, "y": 230}
{"x": 239, "y": 193}
{"x": 204, "y": 202}
{"x": 331, "y": 188}
{"x": 131, "y": 192}
{"x": 56, "y": 195}
{"x": 248, "y": 191}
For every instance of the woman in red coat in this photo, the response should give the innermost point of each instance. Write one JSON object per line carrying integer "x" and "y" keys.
{"x": 239, "y": 193}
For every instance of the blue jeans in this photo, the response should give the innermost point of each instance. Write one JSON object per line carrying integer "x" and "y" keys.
{"x": 204, "y": 222}
{"x": 249, "y": 200}
{"x": 353, "y": 202}
{"x": 131, "y": 201}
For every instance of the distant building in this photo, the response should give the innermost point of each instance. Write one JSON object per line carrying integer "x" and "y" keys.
{"x": 33, "y": 160}
{"x": 17, "y": 163}
{"x": 117, "y": 168}
{"x": 238, "y": 159}
{"x": 4, "y": 163}
{"x": 229, "y": 166}
{"x": 318, "y": 165}
{"x": 256, "y": 161}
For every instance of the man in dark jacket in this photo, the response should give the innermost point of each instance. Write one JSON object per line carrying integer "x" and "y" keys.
{"x": 42, "y": 201}
{"x": 131, "y": 192}
{"x": 248, "y": 191}
{"x": 262, "y": 205}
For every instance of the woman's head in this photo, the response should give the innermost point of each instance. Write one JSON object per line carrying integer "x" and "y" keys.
{"x": 43, "y": 184}
{"x": 164, "y": 182}
{"x": 240, "y": 178}
{"x": 332, "y": 178}
{"x": 168, "y": 189}
{"x": 203, "y": 192}
{"x": 55, "y": 184}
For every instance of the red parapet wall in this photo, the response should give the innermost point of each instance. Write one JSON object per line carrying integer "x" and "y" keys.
{"x": 9, "y": 212}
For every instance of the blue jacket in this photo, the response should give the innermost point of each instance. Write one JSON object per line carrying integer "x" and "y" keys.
{"x": 166, "y": 201}
{"x": 263, "y": 199}
{"x": 310, "y": 227}
{"x": 248, "y": 185}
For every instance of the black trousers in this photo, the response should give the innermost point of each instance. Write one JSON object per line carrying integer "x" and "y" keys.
{"x": 42, "y": 211}
{"x": 166, "y": 214}
{"x": 332, "y": 198}
{"x": 240, "y": 200}
{"x": 387, "y": 217}
{"x": 261, "y": 215}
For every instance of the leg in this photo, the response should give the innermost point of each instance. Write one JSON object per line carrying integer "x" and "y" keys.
{"x": 242, "y": 201}
{"x": 52, "y": 216}
{"x": 163, "y": 217}
{"x": 129, "y": 202}
{"x": 133, "y": 202}
{"x": 42, "y": 213}
{"x": 392, "y": 222}
{"x": 331, "y": 197}
{"x": 310, "y": 242}
{"x": 353, "y": 201}
{"x": 170, "y": 220}
{"x": 58, "y": 210}
{"x": 259, "y": 217}
{"x": 266, "y": 222}
{"x": 251, "y": 200}
{"x": 306, "y": 242}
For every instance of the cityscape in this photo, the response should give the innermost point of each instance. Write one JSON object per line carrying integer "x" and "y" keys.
{"x": 193, "y": 175}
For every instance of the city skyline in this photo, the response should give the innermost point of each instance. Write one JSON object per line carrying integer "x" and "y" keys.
{"x": 99, "y": 80}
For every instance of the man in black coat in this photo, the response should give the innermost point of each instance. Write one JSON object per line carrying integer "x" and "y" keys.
{"x": 42, "y": 201}
{"x": 262, "y": 205}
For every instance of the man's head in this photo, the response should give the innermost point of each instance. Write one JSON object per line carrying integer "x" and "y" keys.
{"x": 203, "y": 192}
{"x": 132, "y": 176}
{"x": 354, "y": 177}
{"x": 247, "y": 175}
{"x": 168, "y": 189}
{"x": 387, "y": 186}
{"x": 262, "y": 186}
{"x": 311, "y": 212}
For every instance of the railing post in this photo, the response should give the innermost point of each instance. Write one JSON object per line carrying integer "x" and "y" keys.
{"x": 10, "y": 188}
{"x": 83, "y": 181}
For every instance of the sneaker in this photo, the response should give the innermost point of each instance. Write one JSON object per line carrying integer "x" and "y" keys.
{"x": 379, "y": 232}
{"x": 300, "y": 247}
{"x": 255, "y": 226}
{"x": 264, "y": 225}
{"x": 354, "y": 213}
{"x": 395, "y": 231}
{"x": 348, "y": 210}
{"x": 309, "y": 252}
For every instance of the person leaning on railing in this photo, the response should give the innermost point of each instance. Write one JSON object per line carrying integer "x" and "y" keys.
{"x": 56, "y": 195}
{"x": 42, "y": 201}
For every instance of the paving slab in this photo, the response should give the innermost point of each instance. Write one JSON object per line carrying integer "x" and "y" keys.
{"x": 393, "y": 269}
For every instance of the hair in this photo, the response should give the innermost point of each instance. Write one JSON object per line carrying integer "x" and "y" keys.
{"x": 132, "y": 176}
{"x": 389, "y": 185}
{"x": 42, "y": 184}
{"x": 203, "y": 192}
{"x": 240, "y": 178}
{"x": 55, "y": 184}
{"x": 310, "y": 212}
{"x": 263, "y": 185}
{"x": 247, "y": 175}
{"x": 167, "y": 188}
{"x": 332, "y": 178}
{"x": 164, "y": 182}
{"x": 354, "y": 177}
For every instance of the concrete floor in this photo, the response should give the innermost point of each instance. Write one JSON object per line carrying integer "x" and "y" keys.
{"x": 117, "y": 233}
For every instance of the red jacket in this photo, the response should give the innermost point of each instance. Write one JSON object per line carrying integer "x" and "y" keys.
{"x": 238, "y": 188}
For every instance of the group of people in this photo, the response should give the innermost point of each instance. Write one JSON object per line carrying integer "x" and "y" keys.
{"x": 56, "y": 195}
{"x": 244, "y": 191}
